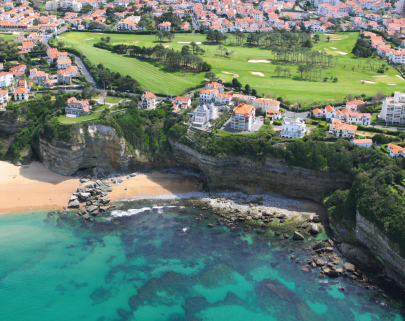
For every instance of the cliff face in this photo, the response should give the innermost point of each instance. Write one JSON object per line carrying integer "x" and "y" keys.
{"x": 101, "y": 148}
{"x": 371, "y": 236}
{"x": 271, "y": 175}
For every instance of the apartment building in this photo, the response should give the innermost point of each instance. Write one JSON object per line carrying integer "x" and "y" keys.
{"x": 293, "y": 128}
{"x": 393, "y": 109}
{"x": 6, "y": 79}
{"x": 243, "y": 117}
{"x": 266, "y": 104}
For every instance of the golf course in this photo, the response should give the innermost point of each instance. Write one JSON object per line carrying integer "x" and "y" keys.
{"x": 250, "y": 64}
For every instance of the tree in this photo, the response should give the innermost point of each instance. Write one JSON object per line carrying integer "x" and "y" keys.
{"x": 247, "y": 89}
{"x": 402, "y": 136}
{"x": 108, "y": 39}
{"x": 36, "y": 22}
{"x": 328, "y": 38}
{"x": 316, "y": 37}
{"x": 211, "y": 76}
{"x": 160, "y": 35}
{"x": 301, "y": 69}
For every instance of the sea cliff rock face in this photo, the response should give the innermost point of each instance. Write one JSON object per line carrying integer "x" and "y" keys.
{"x": 271, "y": 175}
{"x": 382, "y": 247}
{"x": 101, "y": 148}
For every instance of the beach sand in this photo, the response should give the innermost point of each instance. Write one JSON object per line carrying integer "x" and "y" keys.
{"x": 35, "y": 187}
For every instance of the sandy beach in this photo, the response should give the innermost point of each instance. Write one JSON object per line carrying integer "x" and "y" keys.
{"x": 35, "y": 187}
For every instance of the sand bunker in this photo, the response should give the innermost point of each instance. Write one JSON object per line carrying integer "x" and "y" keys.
{"x": 198, "y": 43}
{"x": 391, "y": 84}
{"x": 326, "y": 48}
{"x": 230, "y": 73}
{"x": 342, "y": 53}
{"x": 381, "y": 76}
{"x": 257, "y": 73}
{"x": 263, "y": 61}
{"x": 333, "y": 48}
{"x": 87, "y": 39}
{"x": 369, "y": 81}
{"x": 335, "y": 39}
{"x": 166, "y": 46}
{"x": 400, "y": 77}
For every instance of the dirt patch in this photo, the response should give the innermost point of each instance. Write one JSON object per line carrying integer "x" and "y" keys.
{"x": 87, "y": 39}
{"x": 342, "y": 53}
{"x": 369, "y": 82}
{"x": 257, "y": 73}
{"x": 333, "y": 48}
{"x": 335, "y": 39}
{"x": 230, "y": 73}
{"x": 257, "y": 61}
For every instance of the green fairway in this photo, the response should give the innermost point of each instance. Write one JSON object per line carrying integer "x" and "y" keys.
{"x": 156, "y": 78}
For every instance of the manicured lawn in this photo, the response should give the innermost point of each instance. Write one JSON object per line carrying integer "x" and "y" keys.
{"x": 7, "y": 37}
{"x": 155, "y": 77}
{"x": 113, "y": 100}
{"x": 67, "y": 120}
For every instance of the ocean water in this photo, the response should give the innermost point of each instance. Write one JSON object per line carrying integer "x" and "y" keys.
{"x": 152, "y": 260}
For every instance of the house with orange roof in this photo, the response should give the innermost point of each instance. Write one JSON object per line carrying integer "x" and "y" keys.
{"x": 63, "y": 63}
{"x": 354, "y": 105}
{"x": 215, "y": 85}
{"x": 18, "y": 68}
{"x": 21, "y": 94}
{"x": 147, "y": 101}
{"x": 343, "y": 130}
{"x": 182, "y": 102}
{"x": 243, "y": 117}
{"x": 165, "y": 26}
{"x": 74, "y": 107}
{"x": 330, "y": 113}
{"x": 364, "y": 142}
{"x": 3, "y": 96}
{"x": 273, "y": 114}
{"x": 266, "y": 104}
{"x": 318, "y": 113}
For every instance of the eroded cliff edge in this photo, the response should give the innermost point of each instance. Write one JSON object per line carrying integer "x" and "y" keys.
{"x": 100, "y": 147}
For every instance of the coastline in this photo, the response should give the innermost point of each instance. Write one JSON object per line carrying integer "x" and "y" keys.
{"x": 35, "y": 187}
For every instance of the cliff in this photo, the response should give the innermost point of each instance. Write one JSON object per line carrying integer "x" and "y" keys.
{"x": 269, "y": 175}
{"x": 100, "y": 148}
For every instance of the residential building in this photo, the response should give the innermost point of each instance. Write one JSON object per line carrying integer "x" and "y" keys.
{"x": 63, "y": 63}
{"x": 395, "y": 150}
{"x": 393, "y": 109}
{"x": 243, "y": 117}
{"x": 318, "y": 113}
{"x": 330, "y": 113}
{"x": 366, "y": 142}
{"x": 21, "y": 94}
{"x": 182, "y": 102}
{"x": 201, "y": 116}
{"x": 265, "y": 104}
{"x": 3, "y": 96}
{"x": 40, "y": 77}
{"x": 74, "y": 107}
{"x": 343, "y": 130}
{"x": 293, "y": 128}
{"x": 273, "y": 114}
{"x": 54, "y": 5}
{"x": 19, "y": 68}
{"x": 208, "y": 94}
{"x": 6, "y": 79}
{"x": 165, "y": 26}
{"x": 147, "y": 101}
{"x": 215, "y": 85}
{"x": 355, "y": 104}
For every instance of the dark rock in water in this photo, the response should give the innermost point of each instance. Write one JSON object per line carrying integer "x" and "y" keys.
{"x": 92, "y": 209}
{"x": 298, "y": 236}
{"x": 318, "y": 246}
{"x": 86, "y": 217}
{"x": 316, "y": 219}
{"x": 277, "y": 233}
{"x": 293, "y": 257}
{"x": 306, "y": 268}
{"x": 100, "y": 295}
{"x": 286, "y": 236}
{"x": 314, "y": 229}
{"x": 74, "y": 204}
{"x": 210, "y": 225}
{"x": 125, "y": 315}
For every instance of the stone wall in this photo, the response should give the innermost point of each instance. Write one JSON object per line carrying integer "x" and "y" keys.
{"x": 375, "y": 240}
{"x": 269, "y": 175}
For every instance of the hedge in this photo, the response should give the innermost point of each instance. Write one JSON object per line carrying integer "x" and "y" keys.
{"x": 377, "y": 130}
{"x": 384, "y": 148}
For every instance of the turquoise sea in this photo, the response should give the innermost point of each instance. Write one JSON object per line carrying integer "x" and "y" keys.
{"x": 152, "y": 260}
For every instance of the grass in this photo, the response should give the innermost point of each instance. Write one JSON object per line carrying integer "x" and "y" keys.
{"x": 67, "y": 120}
{"x": 155, "y": 76}
{"x": 113, "y": 100}
{"x": 8, "y": 37}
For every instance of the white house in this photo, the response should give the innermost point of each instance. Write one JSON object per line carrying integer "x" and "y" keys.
{"x": 64, "y": 63}
{"x": 6, "y": 79}
{"x": 273, "y": 114}
{"x": 366, "y": 142}
{"x": 293, "y": 128}
{"x": 330, "y": 113}
{"x": 318, "y": 113}
{"x": 201, "y": 116}
{"x": 215, "y": 85}
{"x": 147, "y": 101}
{"x": 208, "y": 94}
{"x": 165, "y": 26}
{"x": 21, "y": 94}
{"x": 182, "y": 102}
{"x": 395, "y": 150}
{"x": 343, "y": 130}
{"x": 74, "y": 107}
{"x": 243, "y": 117}
{"x": 3, "y": 96}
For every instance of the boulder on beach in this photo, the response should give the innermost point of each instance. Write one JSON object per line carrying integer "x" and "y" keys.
{"x": 86, "y": 217}
{"x": 74, "y": 203}
{"x": 298, "y": 236}
{"x": 306, "y": 268}
{"x": 314, "y": 229}
{"x": 316, "y": 219}
{"x": 318, "y": 246}
{"x": 349, "y": 267}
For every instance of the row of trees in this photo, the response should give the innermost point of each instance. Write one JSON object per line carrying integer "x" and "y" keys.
{"x": 305, "y": 56}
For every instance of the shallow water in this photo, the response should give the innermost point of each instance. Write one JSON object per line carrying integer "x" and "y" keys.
{"x": 154, "y": 263}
